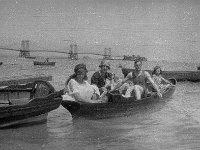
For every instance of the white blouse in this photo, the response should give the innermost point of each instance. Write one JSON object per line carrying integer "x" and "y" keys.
{"x": 85, "y": 90}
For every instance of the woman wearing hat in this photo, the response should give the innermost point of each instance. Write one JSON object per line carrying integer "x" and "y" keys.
{"x": 99, "y": 78}
{"x": 78, "y": 89}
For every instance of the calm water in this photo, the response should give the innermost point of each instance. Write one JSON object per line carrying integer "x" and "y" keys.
{"x": 170, "y": 126}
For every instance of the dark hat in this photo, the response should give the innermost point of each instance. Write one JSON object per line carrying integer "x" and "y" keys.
{"x": 80, "y": 68}
{"x": 156, "y": 67}
{"x": 104, "y": 63}
{"x": 137, "y": 60}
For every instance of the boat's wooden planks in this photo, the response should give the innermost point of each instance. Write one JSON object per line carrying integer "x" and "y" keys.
{"x": 23, "y": 79}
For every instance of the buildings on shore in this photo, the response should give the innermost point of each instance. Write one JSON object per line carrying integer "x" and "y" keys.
{"x": 133, "y": 58}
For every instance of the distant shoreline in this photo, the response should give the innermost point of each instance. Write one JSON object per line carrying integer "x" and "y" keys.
{"x": 61, "y": 57}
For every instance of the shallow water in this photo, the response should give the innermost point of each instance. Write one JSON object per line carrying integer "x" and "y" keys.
{"x": 171, "y": 125}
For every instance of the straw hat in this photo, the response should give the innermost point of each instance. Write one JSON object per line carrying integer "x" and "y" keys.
{"x": 104, "y": 63}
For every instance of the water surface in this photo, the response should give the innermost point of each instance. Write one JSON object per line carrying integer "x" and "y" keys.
{"x": 168, "y": 126}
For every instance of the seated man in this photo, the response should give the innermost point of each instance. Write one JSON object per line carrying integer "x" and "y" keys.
{"x": 139, "y": 79}
{"x": 100, "y": 77}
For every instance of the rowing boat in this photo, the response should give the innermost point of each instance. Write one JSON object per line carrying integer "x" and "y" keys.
{"x": 117, "y": 105}
{"x": 27, "y": 104}
{"x": 44, "y": 63}
{"x": 193, "y": 76}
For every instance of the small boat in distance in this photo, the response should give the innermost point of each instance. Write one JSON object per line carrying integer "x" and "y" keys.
{"x": 27, "y": 103}
{"x": 117, "y": 105}
{"x": 44, "y": 63}
{"x": 30, "y": 57}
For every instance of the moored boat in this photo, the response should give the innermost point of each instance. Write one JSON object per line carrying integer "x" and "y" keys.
{"x": 117, "y": 105}
{"x": 27, "y": 104}
{"x": 44, "y": 63}
{"x": 193, "y": 76}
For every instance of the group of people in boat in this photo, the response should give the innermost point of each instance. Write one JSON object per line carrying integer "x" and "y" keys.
{"x": 136, "y": 83}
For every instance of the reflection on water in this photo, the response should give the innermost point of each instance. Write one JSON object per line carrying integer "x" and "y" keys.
{"x": 24, "y": 136}
{"x": 173, "y": 124}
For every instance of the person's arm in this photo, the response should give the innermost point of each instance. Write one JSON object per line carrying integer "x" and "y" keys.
{"x": 66, "y": 88}
{"x": 108, "y": 83}
{"x": 153, "y": 83}
{"x": 123, "y": 81}
{"x": 165, "y": 80}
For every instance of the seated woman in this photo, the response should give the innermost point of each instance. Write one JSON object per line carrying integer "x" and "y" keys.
{"x": 78, "y": 89}
{"x": 158, "y": 79}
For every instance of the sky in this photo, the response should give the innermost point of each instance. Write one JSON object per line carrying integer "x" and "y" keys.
{"x": 156, "y": 29}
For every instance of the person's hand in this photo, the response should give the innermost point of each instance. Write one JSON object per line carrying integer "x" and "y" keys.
{"x": 95, "y": 96}
{"x": 159, "y": 94}
{"x": 104, "y": 89}
{"x": 111, "y": 90}
{"x": 99, "y": 101}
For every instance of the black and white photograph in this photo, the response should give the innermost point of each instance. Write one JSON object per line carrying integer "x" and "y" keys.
{"x": 99, "y": 74}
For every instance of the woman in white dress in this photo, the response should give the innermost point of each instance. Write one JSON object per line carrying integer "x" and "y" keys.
{"x": 78, "y": 89}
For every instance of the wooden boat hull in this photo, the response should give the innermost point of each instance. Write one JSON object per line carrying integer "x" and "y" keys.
{"x": 43, "y": 100}
{"x": 44, "y": 63}
{"x": 117, "y": 105}
{"x": 193, "y": 76}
